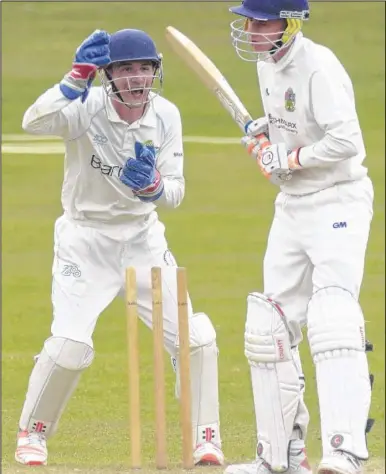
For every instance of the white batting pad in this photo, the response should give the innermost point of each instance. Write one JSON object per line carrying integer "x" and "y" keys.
{"x": 275, "y": 379}
{"x": 52, "y": 382}
{"x": 204, "y": 380}
{"x": 337, "y": 341}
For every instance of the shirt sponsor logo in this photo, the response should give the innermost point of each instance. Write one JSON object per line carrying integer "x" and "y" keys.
{"x": 108, "y": 170}
{"x": 281, "y": 123}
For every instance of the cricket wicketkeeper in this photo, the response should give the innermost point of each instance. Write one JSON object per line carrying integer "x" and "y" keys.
{"x": 124, "y": 157}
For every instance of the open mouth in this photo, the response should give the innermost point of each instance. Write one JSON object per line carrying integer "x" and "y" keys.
{"x": 137, "y": 92}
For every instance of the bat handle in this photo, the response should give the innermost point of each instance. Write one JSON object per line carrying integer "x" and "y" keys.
{"x": 263, "y": 141}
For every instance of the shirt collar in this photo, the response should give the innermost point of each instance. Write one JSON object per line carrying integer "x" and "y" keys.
{"x": 288, "y": 57}
{"x": 148, "y": 119}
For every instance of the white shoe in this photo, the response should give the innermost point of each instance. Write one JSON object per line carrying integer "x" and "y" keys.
{"x": 255, "y": 467}
{"x": 31, "y": 449}
{"x": 208, "y": 454}
{"x": 340, "y": 462}
{"x": 298, "y": 463}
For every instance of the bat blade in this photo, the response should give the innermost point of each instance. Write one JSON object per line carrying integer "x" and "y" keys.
{"x": 206, "y": 70}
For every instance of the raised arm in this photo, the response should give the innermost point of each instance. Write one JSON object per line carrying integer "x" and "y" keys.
{"x": 56, "y": 112}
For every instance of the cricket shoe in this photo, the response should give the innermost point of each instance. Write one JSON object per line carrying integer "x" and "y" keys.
{"x": 340, "y": 462}
{"x": 31, "y": 449}
{"x": 298, "y": 463}
{"x": 208, "y": 454}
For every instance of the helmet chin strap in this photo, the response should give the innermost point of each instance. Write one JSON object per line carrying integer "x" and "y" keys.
{"x": 275, "y": 47}
{"x": 279, "y": 44}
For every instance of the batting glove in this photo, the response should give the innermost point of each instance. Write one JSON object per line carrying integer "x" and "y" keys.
{"x": 275, "y": 162}
{"x": 141, "y": 175}
{"x": 257, "y": 127}
{"x": 92, "y": 53}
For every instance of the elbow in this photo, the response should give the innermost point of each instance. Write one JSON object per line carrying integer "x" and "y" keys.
{"x": 346, "y": 146}
{"x": 28, "y": 123}
{"x": 35, "y": 123}
{"x": 348, "y": 139}
{"x": 347, "y": 150}
{"x": 350, "y": 148}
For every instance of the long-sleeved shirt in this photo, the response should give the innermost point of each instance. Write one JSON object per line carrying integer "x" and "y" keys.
{"x": 309, "y": 101}
{"x": 97, "y": 145}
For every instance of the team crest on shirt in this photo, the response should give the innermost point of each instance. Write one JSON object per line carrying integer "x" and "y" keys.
{"x": 151, "y": 143}
{"x": 289, "y": 100}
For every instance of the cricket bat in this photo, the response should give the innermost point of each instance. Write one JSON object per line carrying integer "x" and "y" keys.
{"x": 206, "y": 70}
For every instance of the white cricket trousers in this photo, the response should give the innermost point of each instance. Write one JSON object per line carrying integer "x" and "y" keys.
{"x": 89, "y": 272}
{"x": 317, "y": 240}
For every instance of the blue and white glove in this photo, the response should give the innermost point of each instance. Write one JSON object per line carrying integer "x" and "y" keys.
{"x": 257, "y": 127}
{"x": 93, "y": 53}
{"x": 141, "y": 175}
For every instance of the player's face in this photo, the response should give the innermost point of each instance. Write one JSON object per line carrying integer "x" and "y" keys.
{"x": 264, "y": 34}
{"x": 133, "y": 80}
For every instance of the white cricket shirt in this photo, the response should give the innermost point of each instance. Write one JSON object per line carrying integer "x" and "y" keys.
{"x": 309, "y": 101}
{"x": 97, "y": 145}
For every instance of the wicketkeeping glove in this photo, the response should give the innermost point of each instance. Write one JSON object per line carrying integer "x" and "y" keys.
{"x": 141, "y": 175}
{"x": 92, "y": 53}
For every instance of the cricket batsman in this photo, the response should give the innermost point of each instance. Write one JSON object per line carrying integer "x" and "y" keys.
{"x": 123, "y": 158}
{"x": 314, "y": 261}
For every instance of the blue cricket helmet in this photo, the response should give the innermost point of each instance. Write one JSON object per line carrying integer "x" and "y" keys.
{"x": 294, "y": 12}
{"x": 273, "y": 9}
{"x": 133, "y": 45}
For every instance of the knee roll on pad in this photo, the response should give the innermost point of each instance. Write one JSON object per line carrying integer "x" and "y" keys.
{"x": 52, "y": 382}
{"x": 336, "y": 334}
{"x": 69, "y": 354}
{"x": 335, "y": 322}
{"x": 275, "y": 377}
{"x": 202, "y": 332}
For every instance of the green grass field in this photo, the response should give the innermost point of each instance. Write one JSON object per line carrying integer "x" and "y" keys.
{"x": 228, "y": 206}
